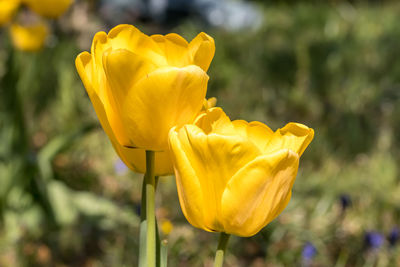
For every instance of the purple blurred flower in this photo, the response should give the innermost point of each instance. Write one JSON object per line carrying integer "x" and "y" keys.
{"x": 394, "y": 236}
{"x": 345, "y": 201}
{"x": 373, "y": 239}
{"x": 120, "y": 167}
{"x": 309, "y": 251}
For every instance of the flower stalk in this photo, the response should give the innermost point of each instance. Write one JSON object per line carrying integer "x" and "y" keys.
{"x": 150, "y": 210}
{"x": 222, "y": 244}
{"x": 147, "y": 244}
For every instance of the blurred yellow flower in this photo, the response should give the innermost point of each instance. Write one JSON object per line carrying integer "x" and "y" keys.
{"x": 29, "y": 38}
{"x": 7, "y": 10}
{"x": 234, "y": 176}
{"x": 166, "y": 227}
{"x": 141, "y": 86}
{"x": 48, "y": 8}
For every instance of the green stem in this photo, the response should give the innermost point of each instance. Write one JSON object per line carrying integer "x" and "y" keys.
{"x": 157, "y": 178}
{"x": 164, "y": 253}
{"x": 219, "y": 255}
{"x": 143, "y": 226}
{"x": 150, "y": 210}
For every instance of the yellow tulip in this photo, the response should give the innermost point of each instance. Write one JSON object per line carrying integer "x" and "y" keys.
{"x": 141, "y": 86}
{"x": 7, "y": 10}
{"x": 234, "y": 176}
{"x": 48, "y": 8}
{"x": 29, "y": 38}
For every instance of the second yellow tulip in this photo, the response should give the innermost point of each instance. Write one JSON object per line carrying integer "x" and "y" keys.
{"x": 233, "y": 176}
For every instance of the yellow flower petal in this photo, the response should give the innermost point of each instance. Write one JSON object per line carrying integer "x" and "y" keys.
{"x": 99, "y": 46}
{"x": 166, "y": 98}
{"x": 99, "y": 83}
{"x": 293, "y": 136}
{"x": 123, "y": 70}
{"x": 257, "y": 132}
{"x": 202, "y": 50}
{"x": 240, "y": 127}
{"x": 189, "y": 190}
{"x": 87, "y": 71}
{"x": 211, "y": 102}
{"x": 215, "y": 159}
{"x": 215, "y": 120}
{"x": 83, "y": 64}
{"x": 135, "y": 159}
{"x": 128, "y": 37}
{"x": 174, "y": 48}
{"x": 256, "y": 193}
{"x": 84, "y": 67}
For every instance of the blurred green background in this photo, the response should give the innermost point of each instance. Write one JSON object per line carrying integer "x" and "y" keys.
{"x": 67, "y": 200}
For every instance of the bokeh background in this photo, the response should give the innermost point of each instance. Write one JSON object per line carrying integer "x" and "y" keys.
{"x": 67, "y": 200}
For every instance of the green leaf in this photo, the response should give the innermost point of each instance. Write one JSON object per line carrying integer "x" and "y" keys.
{"x": 164, "y": 253}
{"x": 57, "y": 145}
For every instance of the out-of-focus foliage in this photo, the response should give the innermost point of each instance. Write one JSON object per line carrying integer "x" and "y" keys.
{"x": 333, "y": 68}
{"x": 333, "y": 2}
{"x": 66, "y": 200}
